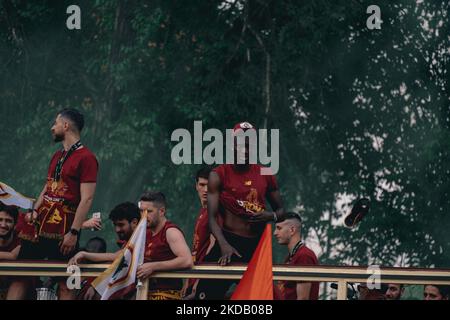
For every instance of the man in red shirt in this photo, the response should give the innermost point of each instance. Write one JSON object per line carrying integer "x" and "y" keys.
{"x": 202, "y": 235}
{"x": 287, "y": 233}
{"x": 203, "y": 239}
{"x": 125, "y": 218}
{"x": 64, "y": 202}
{"x": 166, "y": 249}
{"x": 9, "y": 242}
{"x": 237, "y": 194}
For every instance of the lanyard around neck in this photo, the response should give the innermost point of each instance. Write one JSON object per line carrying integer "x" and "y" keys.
{"x": 60, "y": 163}
{"x": 296, "y": 247}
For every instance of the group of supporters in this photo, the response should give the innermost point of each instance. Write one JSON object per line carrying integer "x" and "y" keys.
{"x": 228, "y": 228}
{"x": 393, "y": 291}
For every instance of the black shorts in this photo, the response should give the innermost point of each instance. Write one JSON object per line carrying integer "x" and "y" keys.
{"x": 45, "y": 249}
{"x": 218, "y": 289}
{"x": 245, "y": 246}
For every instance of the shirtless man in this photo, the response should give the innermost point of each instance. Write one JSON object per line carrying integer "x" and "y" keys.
{"x": 237, "y": 192}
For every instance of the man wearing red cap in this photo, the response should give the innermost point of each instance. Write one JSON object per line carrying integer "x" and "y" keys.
{"x": 237, "y": 192}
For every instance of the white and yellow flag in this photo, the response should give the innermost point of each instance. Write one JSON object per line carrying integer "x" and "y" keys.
{"x": 11, "y": 197}
{"x": 120, "y": 277}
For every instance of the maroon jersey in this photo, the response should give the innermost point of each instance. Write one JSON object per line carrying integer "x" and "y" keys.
{"x": 303, "y": 257}
{"x": 61, "y": 198}
{"x": 157, "y": 249}
{"x": 244, "y": 193}
{"x": 202, "y": 239}
{"x": 201, "y": 236}
{"x": 5, "y": 281}
{"x": 25, "y": 230}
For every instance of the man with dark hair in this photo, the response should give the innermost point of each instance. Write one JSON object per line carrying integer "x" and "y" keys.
{"x": 64, "y": 202}
{"x": 394, "y": 291}
{"x": 288, "y": 232}
{"x": 125, "y": 217}
{"x": 96, "y": 244}
{"x": 436, "y": 292}
{"x": 238, "y": 193}
{"x": 377, "y": 293}
{"x": 75, "y": 117}
{"x": 202, "y": 235}
{"x": 203, "y": 239}
{"x": 9, "y": 242}
{"x": 166, "y": 249}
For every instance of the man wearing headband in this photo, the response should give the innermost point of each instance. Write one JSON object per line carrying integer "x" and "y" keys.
{"x": 237, "y": 193}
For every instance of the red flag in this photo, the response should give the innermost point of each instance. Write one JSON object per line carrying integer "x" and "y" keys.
{"x": 257, "y": 281}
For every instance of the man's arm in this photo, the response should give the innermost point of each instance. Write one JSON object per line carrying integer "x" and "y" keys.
{"x": 214, "y": 184}
{"x": 11, "y": 255}
{"x": 303, "y": 290}
{"x": 212, "y": 242}
{"x": 95, "y": 223}
{"x": 38, "y": 202}
{"x": 274, "y": 199}
{"x": 32, "y": 216}
{"x": 179, "y": 247}
{"x": 87, "y": 191}
{"x": 94, "y": 257}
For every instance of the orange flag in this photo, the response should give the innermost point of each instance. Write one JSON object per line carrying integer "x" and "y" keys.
{"x": 257, "y": 281}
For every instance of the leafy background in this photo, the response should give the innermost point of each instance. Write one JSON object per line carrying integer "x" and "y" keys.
{"x": 361, "y": 112}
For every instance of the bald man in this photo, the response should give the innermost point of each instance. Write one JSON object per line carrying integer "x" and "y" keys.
{"x": 288, "y": 232}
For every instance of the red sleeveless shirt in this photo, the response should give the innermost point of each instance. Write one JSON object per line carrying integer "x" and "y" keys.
{"x": 158, "y": 249}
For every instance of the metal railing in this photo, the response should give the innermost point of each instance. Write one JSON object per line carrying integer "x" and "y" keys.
{"x": 340, "y": 274}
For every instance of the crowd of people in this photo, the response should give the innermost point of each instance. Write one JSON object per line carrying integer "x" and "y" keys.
{"x": 230, "y": 222}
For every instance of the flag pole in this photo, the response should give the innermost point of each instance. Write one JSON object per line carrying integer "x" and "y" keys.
{"x": 142, "y": 289}
{"x": 142, "y": 285}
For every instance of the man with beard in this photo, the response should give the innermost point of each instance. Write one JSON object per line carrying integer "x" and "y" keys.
{"x": 237, "y": 192}
{"x": 9, "y": 242}
{"x": 394, "y": 291}
{"x": 165, "y": 249}
{"x": 64, "y": 202}
{"x": 125, "y": 217}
